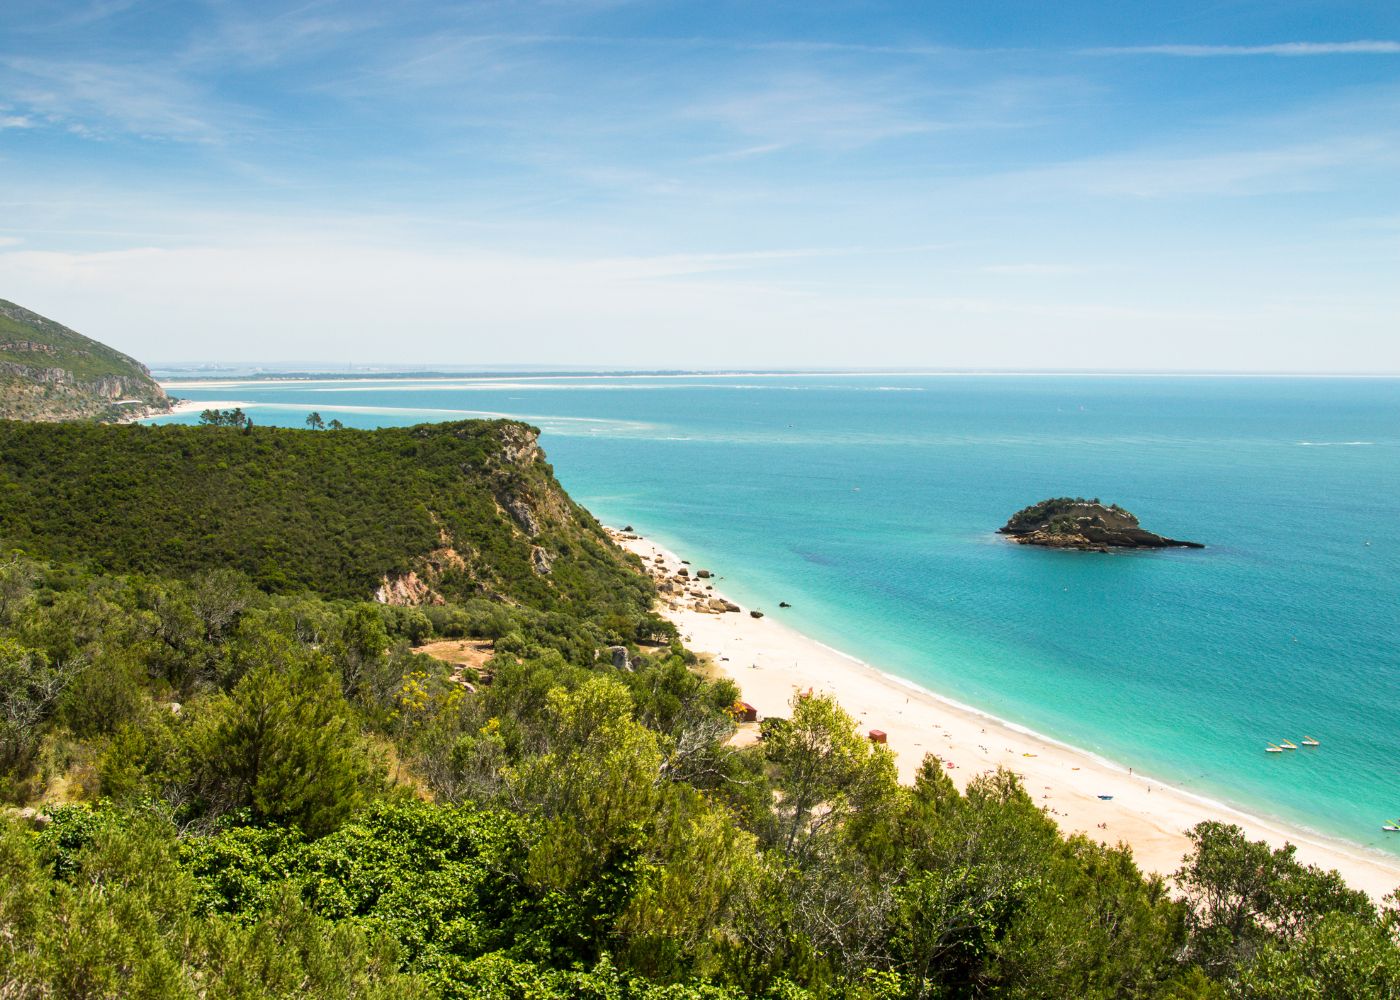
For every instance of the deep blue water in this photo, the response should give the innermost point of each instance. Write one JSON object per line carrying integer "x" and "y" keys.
{"x": 869, "y": 503}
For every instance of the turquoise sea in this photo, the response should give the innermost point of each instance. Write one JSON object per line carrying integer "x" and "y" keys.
{"x": 869, "y": 503}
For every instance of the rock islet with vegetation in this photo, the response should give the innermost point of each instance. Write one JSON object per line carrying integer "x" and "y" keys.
{"x": 1087, "y": 525}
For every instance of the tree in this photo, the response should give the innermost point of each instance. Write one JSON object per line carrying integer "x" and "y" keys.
{"x": 314, "y": 421}
{"x": 825, "y": 772}
{"x": 30, "y": 686}
{"x": 225, "y": 418}
{"x": 17, "y": 576}
{"x": 1340, "y": 958}
{"x": 335, "y": 425}
{"x": 1244, "y": 894}
{"x": 282, "y": 743}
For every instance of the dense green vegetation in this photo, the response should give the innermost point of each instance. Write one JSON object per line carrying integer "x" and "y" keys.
{"x": 467, "y": 507}
{"x": 1059, "y": 514}
{"x": 252, "y": 790}
{"x": 49, "y": 372}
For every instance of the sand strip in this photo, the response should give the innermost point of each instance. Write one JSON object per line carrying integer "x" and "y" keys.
{"x": 771, "y": 661}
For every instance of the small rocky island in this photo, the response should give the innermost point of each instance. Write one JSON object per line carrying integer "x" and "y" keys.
{"x": 1088, "y": 525}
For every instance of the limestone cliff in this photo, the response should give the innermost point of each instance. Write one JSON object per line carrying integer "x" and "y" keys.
{"x": 49, "y": 372}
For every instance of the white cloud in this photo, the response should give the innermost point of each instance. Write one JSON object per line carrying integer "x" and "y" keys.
{"x": 95, "y": 99}
{"x": 1365, "y": 47}
{"x": 362, "y": 302}
{"x": 299, "y": 34}
{"x": 1032, "y": 270}
{"x": 1312, "y": 166}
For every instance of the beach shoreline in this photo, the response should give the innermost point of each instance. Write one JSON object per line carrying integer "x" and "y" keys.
{"x": 771, "y": 661}
{"x": 183, "y": 406}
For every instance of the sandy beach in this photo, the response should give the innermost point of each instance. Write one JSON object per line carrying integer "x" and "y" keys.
{"x": 181, "y": 407}
{"x": 771, "y": 661}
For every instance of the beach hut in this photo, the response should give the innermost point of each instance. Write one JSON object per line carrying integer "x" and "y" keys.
{"x": 877, "y": 736}
{"x": 744, "y": 712}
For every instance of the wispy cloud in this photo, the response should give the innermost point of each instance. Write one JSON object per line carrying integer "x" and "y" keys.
{"x": 97, "y": 99}
{"x": 808, "y": 109}
{"x": 1312, "y": 166}
{"x": 1364, "y": 47}
{"x": 1032, "y": 270}
{"x": 301, "y": 33}
{"x": 676, "y": 265}
{"x": 16, "y": 121}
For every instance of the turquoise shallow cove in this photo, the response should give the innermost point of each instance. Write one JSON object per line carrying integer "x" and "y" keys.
{"x": 869, "y": 503}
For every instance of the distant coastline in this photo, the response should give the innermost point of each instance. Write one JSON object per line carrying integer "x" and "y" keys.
{"x": 176, "y": 378}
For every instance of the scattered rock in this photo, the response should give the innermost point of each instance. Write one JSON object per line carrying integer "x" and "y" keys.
{"x": 703, "y": 574}
{"x": 620, "y": 659}
{"x": 405, "y": 591}
{"x": 34, "y": 817}
{"x": 541, "y": 561}
{"x": 755, "y": 614}
{"x": 523, "y": 514}
{"x": 784, "y": 604}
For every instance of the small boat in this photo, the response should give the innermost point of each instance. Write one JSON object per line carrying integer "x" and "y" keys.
{"x": 1105, "y": 797}
{"x": 1288, "y": 746}
{"x": 1308, "y": 741}
{"x": 1273, "y": 749}
{"x": 1390, "y": 828}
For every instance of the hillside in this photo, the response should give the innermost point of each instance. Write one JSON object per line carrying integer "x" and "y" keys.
{"x": 49, "y": 372}
{"x": 414, "y": 515}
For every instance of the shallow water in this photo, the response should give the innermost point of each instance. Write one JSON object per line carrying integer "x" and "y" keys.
{"x": 869, "y": 503}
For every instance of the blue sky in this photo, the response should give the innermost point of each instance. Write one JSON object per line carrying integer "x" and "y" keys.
{"x": 1183, "y": 185}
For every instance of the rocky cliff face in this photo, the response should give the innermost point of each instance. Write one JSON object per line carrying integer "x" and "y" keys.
{"x": 531, "y": 507}
{"x": 1088, "y": 525}
{"x": 49, "y": 372}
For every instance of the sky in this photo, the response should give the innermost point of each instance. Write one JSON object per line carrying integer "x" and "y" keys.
{"x": 1182, "y": 185}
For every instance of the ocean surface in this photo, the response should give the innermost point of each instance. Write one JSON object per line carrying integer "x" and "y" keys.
{"x": 870, "y": 502}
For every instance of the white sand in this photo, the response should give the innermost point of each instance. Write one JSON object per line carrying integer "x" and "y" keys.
{"x": 770, "y": 662}
{"x": 183, "y": 406}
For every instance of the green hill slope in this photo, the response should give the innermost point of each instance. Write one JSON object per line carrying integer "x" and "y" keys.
{"x": 413, "y": 515}
{"x": 49, "y": 372}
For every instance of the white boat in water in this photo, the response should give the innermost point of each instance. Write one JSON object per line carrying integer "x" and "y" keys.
{"x": 1308, "y": 741}
{"x": 1273, "y": 749}
{"x": 1288, "y": 746}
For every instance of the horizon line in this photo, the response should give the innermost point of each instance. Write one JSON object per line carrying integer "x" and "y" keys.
{"x": 191, "y": 373}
